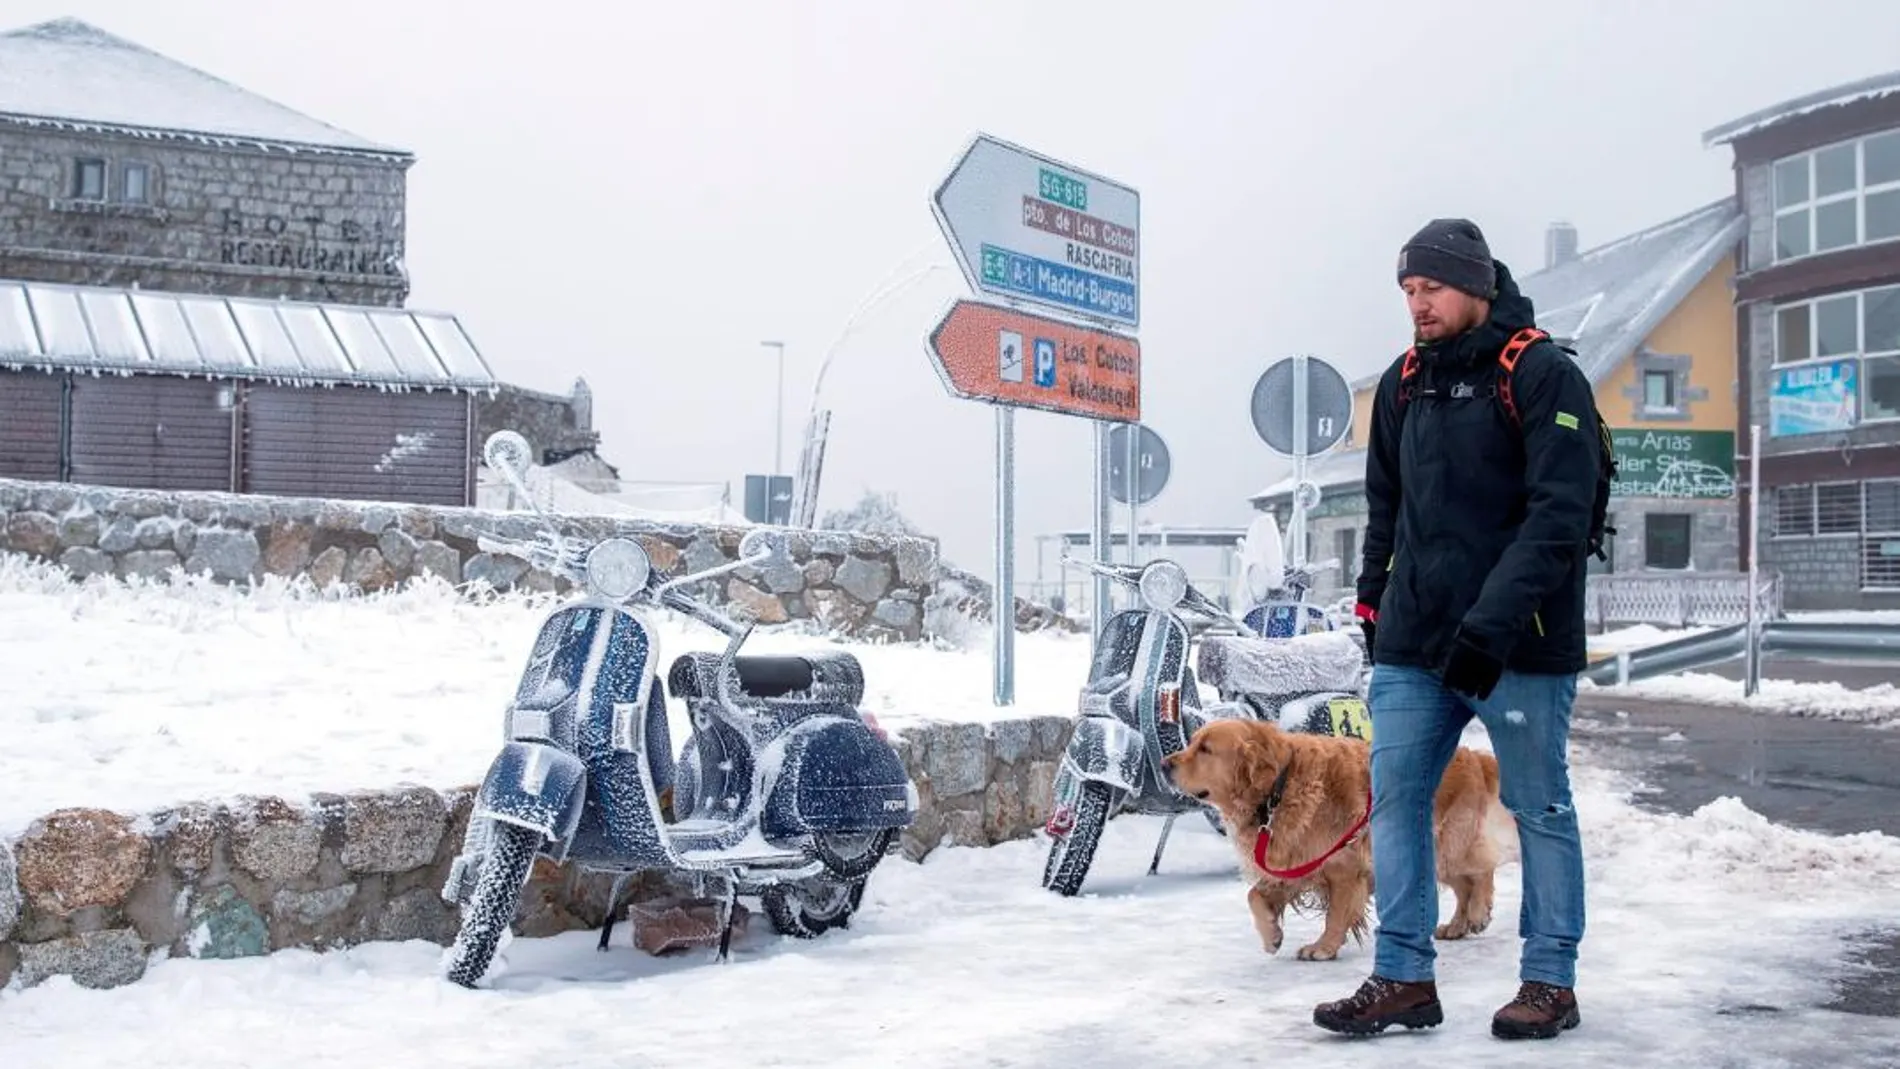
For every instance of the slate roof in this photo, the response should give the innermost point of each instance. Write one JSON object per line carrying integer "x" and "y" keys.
{"x": 71, "y": 74}
{"x": 1870, "y": 88}
{"x": 125, "y": 331}
{"x": 1602, "y": 303}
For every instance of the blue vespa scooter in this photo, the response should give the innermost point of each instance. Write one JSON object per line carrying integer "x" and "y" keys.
{"x": 784, "y": 789}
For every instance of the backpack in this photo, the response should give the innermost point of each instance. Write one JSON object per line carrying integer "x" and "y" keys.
{"x": 1507, "y": 366}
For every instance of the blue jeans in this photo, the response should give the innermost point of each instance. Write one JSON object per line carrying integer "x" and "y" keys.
{"x": 1415, "y": 727}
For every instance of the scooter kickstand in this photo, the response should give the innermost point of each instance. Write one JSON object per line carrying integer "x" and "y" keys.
{"x": 1166, "y": 827}
{"x": 613, "y": 911}
{"x": 727, "y": 908}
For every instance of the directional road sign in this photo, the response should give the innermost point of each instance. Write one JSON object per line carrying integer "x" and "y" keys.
{"x": 986, "y": 353}
{"x": 1027, "y": 228}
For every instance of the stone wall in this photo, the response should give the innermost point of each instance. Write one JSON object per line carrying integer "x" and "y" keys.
{"x": 868, "y": 587}
{"x": 234, "y": 221}
{"x": 97, "y": 895}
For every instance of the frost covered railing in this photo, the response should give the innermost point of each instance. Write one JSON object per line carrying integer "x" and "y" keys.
{"x": 1705, "y": 599}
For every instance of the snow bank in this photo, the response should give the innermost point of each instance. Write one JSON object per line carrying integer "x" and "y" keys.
{"x": 135, "y": 695}
{"x": 1877, "y": 705}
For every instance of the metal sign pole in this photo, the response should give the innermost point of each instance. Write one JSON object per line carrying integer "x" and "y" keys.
{"x": 1003, "y": 594}
{"x": 1098, "y": 607}
{"x": 1298, "y": 541}
{"x": 1134, "y": 528}
{"x": 1751, "y": 682}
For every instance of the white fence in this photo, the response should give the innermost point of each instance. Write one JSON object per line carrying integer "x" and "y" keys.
{"x": 1698, "y": 599}
{"x": 1702, "y": 599}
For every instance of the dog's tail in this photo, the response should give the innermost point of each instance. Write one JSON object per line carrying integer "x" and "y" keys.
{"x": 1500, "y": 827}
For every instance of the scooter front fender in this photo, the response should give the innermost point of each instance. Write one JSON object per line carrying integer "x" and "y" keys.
{"x": 535, "y": 786}
{"x": 1106, "y": 750}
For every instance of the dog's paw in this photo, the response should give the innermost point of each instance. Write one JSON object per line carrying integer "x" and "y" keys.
{"x": 1271, "y": 943}
{"x": 1318, "y": 952}
{"x": 1457, "y": 929}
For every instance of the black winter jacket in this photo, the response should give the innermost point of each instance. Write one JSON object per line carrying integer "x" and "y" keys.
{"x": 1477, "y": 527}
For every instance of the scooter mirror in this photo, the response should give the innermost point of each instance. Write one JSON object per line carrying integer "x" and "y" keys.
{"x": 509, "y": 453}
{"x": 762, "y": 543}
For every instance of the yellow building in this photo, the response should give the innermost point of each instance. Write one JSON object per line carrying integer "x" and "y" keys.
{"x": 1651, "y": 318}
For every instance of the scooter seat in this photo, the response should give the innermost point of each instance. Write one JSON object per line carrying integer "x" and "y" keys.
{"x": 1251, "y": 665}
{"x": 829, "y": 676}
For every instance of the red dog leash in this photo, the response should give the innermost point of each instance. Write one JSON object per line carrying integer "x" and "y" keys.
{"x": 1265, "y": 837}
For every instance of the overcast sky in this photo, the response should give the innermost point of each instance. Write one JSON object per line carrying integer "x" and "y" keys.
{"x": 639, "y": 193}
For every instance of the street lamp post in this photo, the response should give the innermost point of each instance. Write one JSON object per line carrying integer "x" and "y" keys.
{"x": 778, "y": 425}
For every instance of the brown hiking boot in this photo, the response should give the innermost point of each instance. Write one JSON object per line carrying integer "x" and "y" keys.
{"x": 1539, "y": 1011}
{"x": 1379, "y": 1004}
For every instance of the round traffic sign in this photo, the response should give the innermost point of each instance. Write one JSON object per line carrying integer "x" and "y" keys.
{"x": 1328, "y": 407}
{"x": 1152, "y": 464}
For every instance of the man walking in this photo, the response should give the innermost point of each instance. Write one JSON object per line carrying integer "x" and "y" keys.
{"x": 1482, "y": 477}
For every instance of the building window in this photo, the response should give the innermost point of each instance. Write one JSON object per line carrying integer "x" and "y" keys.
{"x": 135, "y": 183}
{"x": 1793, "y": 515}
{"x": 1346, "y": 548}
{"x": 1666, "y": 540}
{"x": 89, "y": 179}
{"x": 1659, "y": 390}
{"x": 1838, "y": 197}
{"x": 1863, "y": 324}
{"x": 1880, "y": 546}
{"x": 1837, "y": 509}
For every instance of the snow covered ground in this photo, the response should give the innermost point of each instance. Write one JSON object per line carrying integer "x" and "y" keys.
{"x": 1711, "y": 943}
{"x": 136, "y": 696}
{"x": 132, "y": 697}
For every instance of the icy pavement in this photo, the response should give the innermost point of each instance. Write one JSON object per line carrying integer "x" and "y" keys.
{"x": 1714, "y": 940}
{"x": 133, "y": 697}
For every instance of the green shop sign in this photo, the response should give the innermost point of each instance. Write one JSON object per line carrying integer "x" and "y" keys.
{"x": 1659, "y": 463}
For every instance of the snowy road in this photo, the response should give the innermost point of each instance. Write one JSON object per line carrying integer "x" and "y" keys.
{"x": 1712, "y": 940}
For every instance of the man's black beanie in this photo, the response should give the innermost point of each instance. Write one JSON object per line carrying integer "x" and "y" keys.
{"x": 1451, "y": 251}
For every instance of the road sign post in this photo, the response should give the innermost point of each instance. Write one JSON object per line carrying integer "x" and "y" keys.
{"x": 1027, "y": 229}
{"x": 1139, "y": 468}
{"x": 1302, "y": 408}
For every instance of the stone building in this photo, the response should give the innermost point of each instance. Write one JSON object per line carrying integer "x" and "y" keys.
{"x": 1817, "y": 296}
{"x": 240, "y": 265}
{"x": 176, "y": 180}
{"x": 1650, "y": 319}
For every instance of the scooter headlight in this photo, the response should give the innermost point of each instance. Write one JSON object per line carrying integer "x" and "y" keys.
{"x": 1163, "y": 585}
{"x": 617, "y": 569}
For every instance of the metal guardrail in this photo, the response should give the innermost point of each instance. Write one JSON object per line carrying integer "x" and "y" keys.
{"x": 1829, "y": 641}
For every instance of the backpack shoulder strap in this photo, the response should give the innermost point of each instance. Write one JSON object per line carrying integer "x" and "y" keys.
{"x": 1508, "y": 357}
{"x": 1408, "y": 370}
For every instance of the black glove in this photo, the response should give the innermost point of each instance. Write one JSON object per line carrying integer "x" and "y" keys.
{"x": 1471, "y": 669}
{"x": 1372, "y": 630}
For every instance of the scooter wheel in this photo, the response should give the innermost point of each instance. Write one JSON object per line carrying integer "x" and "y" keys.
{"x": 491, "y": 906}
{"x": 1071, "y": 854}
{"x": 810, "y": 908}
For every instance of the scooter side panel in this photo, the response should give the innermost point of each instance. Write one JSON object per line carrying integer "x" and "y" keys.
{"x": 836, "y": 775}
{"x": 1106, "y": 750}
{"x": 714, "y": 774}
{"x": 535, "y": 786}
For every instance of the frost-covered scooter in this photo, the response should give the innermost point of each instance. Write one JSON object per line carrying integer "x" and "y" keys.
{"x": 783, "y": 789}
{"x": 1293, "y": 664}
{"x": 1140, "y": 705}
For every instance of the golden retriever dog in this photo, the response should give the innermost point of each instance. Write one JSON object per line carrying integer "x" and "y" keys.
{"x": 1325, "y": 784}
